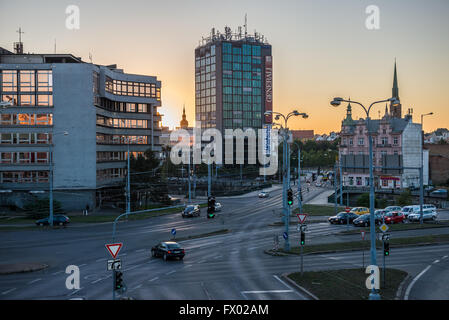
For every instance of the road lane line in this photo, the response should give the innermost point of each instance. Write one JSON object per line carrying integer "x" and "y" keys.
{"x": 173, "y": 271}
{"x": 76, "y": 291}
{"x": 98, "y": 280}
{"x": 35, "y": 280}
{"x": 154, "y": 279}
{"x": 444, "y": 257}
{"x": 82, "y": 265}
{"x": 267, "y": 291}
{"x": 58, "y": 272}
{"x": 131, "y": 268}
{"x": 8, "y": 291}
{"x": 188, "y": 266}
{"x": 102, "y": 259}
{"x": 436, "y": 261}
{"x": 409, "y": 288}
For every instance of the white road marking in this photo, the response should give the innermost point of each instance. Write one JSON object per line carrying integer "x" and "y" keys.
{"x": 266, "y": 291}
{"x": 154, "y": 279}
{"x": 201, "y": 261}
{"x": 35, "y": 280}
{"x": 252, "y": 248}
{"x": 188, "y": 266}
{"x": 8, "y": 291}
{"x": 102, "y": 259}
{"x": 140, "y": 250}
{"x": 131, "y": 268}
{"x": 409, "y": 288}
{"x": 173, "y": 271}
{"x": 76, "y": 291}
{"x": 82, "y": 265}
{"x": 135, "y": 288}
{"x": 444, "y": 257}
{"x": 55, "y": 273}
{"x": 436, "y": 261}
{"x": 98, "y": 280}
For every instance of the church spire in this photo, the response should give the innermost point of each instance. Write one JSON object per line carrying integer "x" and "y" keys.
{"x": 184, "y": 123}
{"x": 395, "y": 83}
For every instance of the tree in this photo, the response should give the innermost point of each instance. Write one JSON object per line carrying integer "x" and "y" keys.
{"x": 40, "y": 208}
{"x": 404, "y": 198}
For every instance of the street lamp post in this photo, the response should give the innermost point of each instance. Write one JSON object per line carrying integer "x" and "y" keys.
{"x": 421, "y": 182}
{"x": 286, "y": 167}
{"x": 50, "y": 151}
{"x": 299, "y": 179}
{"x": 335, "y": 103}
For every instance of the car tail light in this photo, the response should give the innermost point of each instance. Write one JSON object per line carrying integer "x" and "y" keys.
{"x": 168, "y": 251}
{"x": 183, "y": 251}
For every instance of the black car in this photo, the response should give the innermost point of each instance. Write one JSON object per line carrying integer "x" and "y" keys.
{"x": 167, "y": 250}
{"x": 364, "y": 220}
{"x": 343, "y": 217}
{"x": 191, "y": 211}
{"x": 58, "y": 220}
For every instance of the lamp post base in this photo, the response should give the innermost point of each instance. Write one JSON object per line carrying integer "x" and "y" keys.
{"x": 374, "y": 296}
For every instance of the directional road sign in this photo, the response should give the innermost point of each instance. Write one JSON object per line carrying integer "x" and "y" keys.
{"x": 302, "y": 217}
{"x": 363, "y": 235}
{"x": 114, "y": 264}
{"x": 173, "y": 231}
{"x": 114, "y": 249}
{"x": 285, "y": 235}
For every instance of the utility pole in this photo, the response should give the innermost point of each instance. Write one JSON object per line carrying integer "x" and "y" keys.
{"x": 208, "y": 179}
{"x": 128, "y": 185}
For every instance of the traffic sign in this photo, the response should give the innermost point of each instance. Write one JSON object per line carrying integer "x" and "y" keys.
{"x": 347, "y": 209}
{"x": 114, "y": 264}
{"x": 302, "y": 217}
{"x": 173, "y": 231}
{"x": 386, "y": 236}
{"x": 383, "y": 227}
{"x": 303, "y": 227}
{"x": 285, "y": 235}
{"x": 114, "y": 248}
{"x": 363, "y": 235}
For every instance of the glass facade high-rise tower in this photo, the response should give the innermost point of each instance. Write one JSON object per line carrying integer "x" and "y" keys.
{"x": 233, "y": 81}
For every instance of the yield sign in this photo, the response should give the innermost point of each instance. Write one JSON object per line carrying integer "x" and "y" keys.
{"x": 347, "y": 209}
{"x": 302, "y": 217}
{"x": 114, "y": 248}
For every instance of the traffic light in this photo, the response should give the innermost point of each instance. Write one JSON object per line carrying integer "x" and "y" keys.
{"x": 210, "y": 207}
{"x": 386, "y": 248}
{"x": 118, "y": 280}
{"x": 290, "y": 197}
{"x": 303, "y": 238}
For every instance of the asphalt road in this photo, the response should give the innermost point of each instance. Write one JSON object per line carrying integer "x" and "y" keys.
{"x": 226, "y": 266}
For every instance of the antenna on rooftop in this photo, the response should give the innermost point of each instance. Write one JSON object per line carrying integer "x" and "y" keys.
{"x": 246, "y": 26}
{"x": 18, "y": 46}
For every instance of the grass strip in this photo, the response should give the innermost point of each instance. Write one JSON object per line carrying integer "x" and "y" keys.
{"x": 347, "y": 284}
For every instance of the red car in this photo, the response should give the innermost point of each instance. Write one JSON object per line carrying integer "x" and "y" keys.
{"x": 394, "y": 217}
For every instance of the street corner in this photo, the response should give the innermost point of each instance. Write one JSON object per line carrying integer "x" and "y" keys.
{"x": 21, "y": 267}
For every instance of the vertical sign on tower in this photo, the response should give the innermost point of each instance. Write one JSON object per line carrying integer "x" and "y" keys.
{"x": 268, "y": 87}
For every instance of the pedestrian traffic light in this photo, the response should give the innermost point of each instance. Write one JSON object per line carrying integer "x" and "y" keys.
{"x": 118, "y": 280}
{"x": 290, "y": 197}
{"x": 210, "y": 207}
{"x": 303, "y": 237}
{"x": 386, "y": 248}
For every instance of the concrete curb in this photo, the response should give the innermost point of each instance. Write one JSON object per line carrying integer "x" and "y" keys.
{"x": 298, "y": 287}
{"x": 21, "y": 267}
{"x": 402, "y": 287}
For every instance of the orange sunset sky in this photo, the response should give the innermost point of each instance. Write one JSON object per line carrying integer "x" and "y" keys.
{"x": 321, "y": 49}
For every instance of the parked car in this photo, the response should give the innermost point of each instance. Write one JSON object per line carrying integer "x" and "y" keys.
{"x": 218, "y": 206}
{"x": 58, "y": 219}
{"x": 427, "y": 214}
{"x": 381, "y": 213}
{"x": 393, "y": 208}
{"x": 364, "y": 220}
{"x": 360, "y": 210}
{"x": 167, "y": 250}
{"x": 394, "y": 217}
{"x": 409, "y": 209}
{"x": 439, "y": 193}
{"x": 342, "y": 218}
{"x": 191, "y": 211}
{"x": 264, "y": 194}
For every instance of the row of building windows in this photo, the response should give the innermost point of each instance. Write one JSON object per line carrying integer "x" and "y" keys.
{"x": 248, "y": 60}
{"x": 24, "y": 157}
{"x": 120, "y": 139}
{"x": 131, "y": 88}
{"x": 237, "y": 106}
{"x": 242, "y": 90}
{"x": 205, "y": 85}
{"x": 25, "y": 138}
{"x": 121, "y": 123}
{"x": 116, "y": 155}
{"x": 239, "y": 115}
{"x": 206, "y": 116}
{"x": 245, "y": 83}
{"x": 246, "y": 75}
{"x": 361, "y": 141}
{"x": 29, "y": 100}
{"x": 246, "y": 49}
{"x": 124, "y": 106}
{"x": 108, "y": 174}
{"x": 240, "y": 123}
{"x": 26, "y": 81}
{"x": 205, "y": 93}
{"x": 241, "y": 98}
{"x": 26, "y": 119}
{"x": 206, "y": 101}
{"x": 204, "y": 62}
{"x": 23, "y": 176}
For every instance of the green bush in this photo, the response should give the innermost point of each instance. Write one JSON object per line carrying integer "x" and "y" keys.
{"x": 363, "y": 201}
{"x": 40, "y": 208}
{"x": 404, "y": 199}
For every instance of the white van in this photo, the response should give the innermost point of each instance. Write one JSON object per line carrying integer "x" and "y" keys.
{"x": 415, "y": 209}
